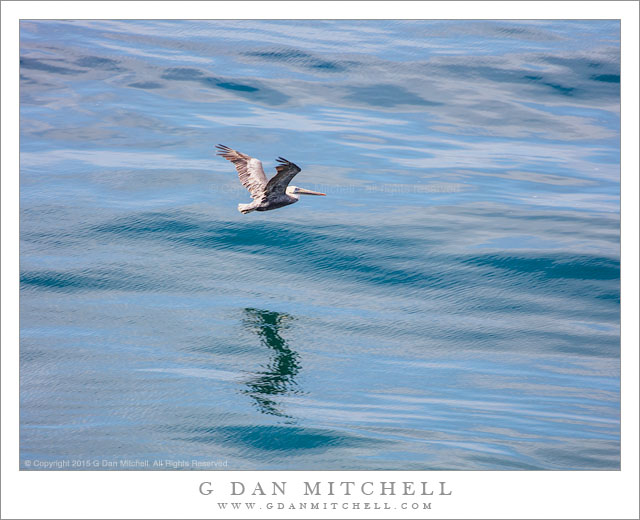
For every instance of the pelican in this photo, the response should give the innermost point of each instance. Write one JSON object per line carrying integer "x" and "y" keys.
{"x": 266, "y": 195}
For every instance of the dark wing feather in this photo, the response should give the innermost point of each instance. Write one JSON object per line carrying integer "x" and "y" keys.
{"x": 286, "y": 172}
{"x": 249, "y": 170}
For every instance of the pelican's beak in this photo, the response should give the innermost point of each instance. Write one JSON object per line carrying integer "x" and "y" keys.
{"x": 309, "y": 192}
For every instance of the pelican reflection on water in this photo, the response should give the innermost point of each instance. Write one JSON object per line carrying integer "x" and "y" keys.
{"x": 278, "y": 376}
{"x": 267, "y": 195}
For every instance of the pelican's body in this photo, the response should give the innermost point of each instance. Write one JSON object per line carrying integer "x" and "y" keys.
{"x": 267, "y": 195}
{"x": 274, "y": 201}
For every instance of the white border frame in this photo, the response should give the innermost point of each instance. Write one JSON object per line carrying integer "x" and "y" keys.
{"x": 480, "y": 494}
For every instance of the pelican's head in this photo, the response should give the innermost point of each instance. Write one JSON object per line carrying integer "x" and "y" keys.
{"x": 294, "y": 191}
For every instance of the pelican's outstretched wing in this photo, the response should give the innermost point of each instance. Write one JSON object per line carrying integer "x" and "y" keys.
{"x": 279, "y": 182}
{"x": 249, "y": 169}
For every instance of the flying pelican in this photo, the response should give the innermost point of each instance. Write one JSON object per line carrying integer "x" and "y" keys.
{"x": 266, "y": 195}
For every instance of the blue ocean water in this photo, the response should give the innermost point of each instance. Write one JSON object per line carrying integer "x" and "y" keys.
{"x": 452, "y": 303}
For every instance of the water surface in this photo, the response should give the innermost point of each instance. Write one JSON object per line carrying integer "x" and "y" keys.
{"x": 453, "y": 303}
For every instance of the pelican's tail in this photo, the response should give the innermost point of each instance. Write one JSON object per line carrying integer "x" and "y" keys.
{"x": 245, "y": 208}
